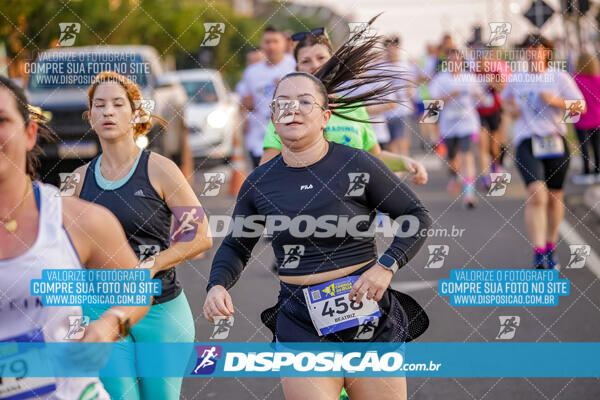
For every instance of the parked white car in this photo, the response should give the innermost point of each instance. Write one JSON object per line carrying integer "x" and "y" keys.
{"x": 211, "y": 114}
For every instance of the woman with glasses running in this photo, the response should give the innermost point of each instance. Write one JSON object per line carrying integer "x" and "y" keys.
{"x": 351, "y": 126}
{"x": 313, "y": 178}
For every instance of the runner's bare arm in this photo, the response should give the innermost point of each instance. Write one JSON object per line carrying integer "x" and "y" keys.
{"x": 100, "y": 242}
{"x": 268, "y": 155}
{"x": 380, "y": 108}
{"x": 399, "y": 163}
{"x": 393, "y": 161}
{"x": 558, "y": 101}
{"x": 81, "y": 171}
{"x": 172, "y": 186}
{"x": 231, "y": 258}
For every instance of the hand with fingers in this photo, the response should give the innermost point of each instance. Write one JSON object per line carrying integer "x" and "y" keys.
{"x": 418, "y": 170}
{"x": 372, "y": 284}
{"x": 218, "y": 303}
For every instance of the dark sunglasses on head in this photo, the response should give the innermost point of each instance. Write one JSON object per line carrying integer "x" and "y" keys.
{"x": 296, "y": 37}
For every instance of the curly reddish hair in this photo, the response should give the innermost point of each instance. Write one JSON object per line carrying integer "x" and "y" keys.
{"x": 133, "y": 94}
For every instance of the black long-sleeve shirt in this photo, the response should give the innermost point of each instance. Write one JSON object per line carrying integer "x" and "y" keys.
{"x": 345, "y": 183}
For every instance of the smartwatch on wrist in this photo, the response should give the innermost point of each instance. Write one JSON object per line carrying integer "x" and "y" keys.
{"x": 124, "y": 323}
{"x": 388, "y": 262}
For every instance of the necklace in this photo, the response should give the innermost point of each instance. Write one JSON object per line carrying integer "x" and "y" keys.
{"x": 322, "y": 153}
{"x": 10, "y": 223}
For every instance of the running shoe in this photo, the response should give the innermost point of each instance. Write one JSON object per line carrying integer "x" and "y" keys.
{"x": 496, "y": 168}
{"x": 485, "y": 183}
{"x": 551, "y": 260}
{"x": 539, "y": 261}
{"x": 469, "y": 196}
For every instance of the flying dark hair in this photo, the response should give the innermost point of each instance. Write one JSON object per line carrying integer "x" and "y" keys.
{"x": 29, "y": 114}
{"x": 359, "y": 61}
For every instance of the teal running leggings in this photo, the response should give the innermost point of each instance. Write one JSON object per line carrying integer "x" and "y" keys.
{"x": 166, "y": 322}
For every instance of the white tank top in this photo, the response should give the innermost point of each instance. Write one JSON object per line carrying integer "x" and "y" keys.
{"x": 22, "y": 316}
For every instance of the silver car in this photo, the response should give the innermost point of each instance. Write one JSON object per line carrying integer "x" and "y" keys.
{"x": 211, "y": 114}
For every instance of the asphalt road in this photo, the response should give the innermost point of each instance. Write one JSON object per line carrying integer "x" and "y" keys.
{"x": 491, "y": 236}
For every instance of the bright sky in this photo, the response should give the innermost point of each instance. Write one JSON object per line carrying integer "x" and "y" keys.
{"x": 420, "y": 21}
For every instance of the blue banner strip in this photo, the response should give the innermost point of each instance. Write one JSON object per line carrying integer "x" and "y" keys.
{"x": 229, "y": 359}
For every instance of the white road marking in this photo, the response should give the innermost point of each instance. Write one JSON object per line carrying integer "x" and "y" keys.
{"x": 568, "y": 233}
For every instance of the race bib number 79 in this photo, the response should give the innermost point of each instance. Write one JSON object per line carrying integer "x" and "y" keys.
{"x": 331, "y": 310}
{"x": 15, "y": 363}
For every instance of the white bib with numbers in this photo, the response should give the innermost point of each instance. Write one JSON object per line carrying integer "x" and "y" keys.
{"x": 331, "y": 310}
{"x": 15, "y": 364}
{"x": 550, "y": 146}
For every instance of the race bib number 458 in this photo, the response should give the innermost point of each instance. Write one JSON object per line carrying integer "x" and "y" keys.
{"x": 331, "y": 310}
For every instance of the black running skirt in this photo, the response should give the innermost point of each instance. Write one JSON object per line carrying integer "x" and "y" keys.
{"x": 402, "y": 319}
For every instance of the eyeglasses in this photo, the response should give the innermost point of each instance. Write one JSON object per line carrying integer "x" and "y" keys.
{"x": 296, "y": 37}
{"x": 284, "y": 109}
{"x": 394, "y": 41}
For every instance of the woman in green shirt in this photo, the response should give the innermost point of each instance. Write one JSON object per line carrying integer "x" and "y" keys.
{"x": 312, "y": 51}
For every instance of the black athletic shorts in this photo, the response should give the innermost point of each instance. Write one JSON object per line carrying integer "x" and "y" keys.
{"x": 553, "y": 171}
{"x": 492, "y": 121}
{"x": 456, "y": 144}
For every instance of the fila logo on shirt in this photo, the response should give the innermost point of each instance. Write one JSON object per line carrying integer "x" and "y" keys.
{"x": 306, "y": 187}
{"x": 358, "y": 183}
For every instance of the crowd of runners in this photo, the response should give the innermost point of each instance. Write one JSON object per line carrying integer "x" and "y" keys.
{"x": 328, "y": 131}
